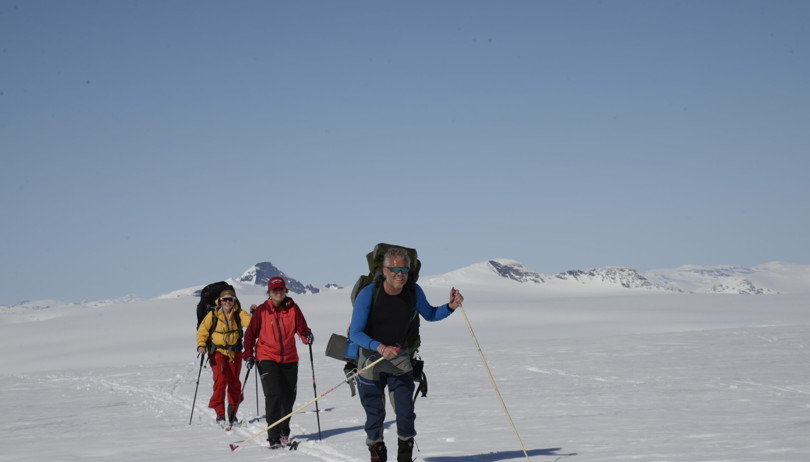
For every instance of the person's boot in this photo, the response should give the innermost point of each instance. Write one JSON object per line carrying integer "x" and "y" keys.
{"x": 274, "y": 442}
{"x": 405, "y": 450}
{"x": 378, "y": 452}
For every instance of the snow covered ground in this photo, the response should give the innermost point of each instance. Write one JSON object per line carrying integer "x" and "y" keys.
{"x": 587, "y": 375}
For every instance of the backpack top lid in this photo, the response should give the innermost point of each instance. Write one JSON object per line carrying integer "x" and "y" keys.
{"x": 375, "y": 260}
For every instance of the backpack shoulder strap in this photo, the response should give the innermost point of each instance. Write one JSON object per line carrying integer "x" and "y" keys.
{"x": 237, "y": 315}
{"x": 214, "y": 320}
{"x": 378, "y": 286}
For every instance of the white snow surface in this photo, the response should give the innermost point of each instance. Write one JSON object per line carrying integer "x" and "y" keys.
{"x": 586, "y": 375}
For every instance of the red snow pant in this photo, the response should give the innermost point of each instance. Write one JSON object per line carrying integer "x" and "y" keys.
{"x": 226, "y": 380}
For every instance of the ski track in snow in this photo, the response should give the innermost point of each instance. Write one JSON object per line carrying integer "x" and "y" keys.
{"x": 165, "y": 399}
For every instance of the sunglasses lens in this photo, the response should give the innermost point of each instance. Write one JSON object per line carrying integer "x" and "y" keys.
{"x": 227, "y": 299}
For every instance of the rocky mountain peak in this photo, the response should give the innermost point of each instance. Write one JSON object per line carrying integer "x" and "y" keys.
{"x": 262, "y": 272}
{"x": 514, "y": 270}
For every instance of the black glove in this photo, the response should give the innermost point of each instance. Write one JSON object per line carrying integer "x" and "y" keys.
{"x": 309, "y": 337}
{"x": 250, "y": 362}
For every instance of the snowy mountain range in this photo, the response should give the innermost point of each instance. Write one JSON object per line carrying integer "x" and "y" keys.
{"x": 771, "y": 278}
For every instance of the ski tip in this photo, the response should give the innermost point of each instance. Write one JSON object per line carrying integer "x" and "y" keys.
{"x": 233, "y": 447}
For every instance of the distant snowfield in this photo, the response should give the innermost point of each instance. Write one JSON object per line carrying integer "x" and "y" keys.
{"x": 597, "y": 375}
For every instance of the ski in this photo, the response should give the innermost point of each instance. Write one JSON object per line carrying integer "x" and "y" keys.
{"x": 228, "y": 426}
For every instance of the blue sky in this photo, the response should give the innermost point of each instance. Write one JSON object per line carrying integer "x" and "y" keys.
{"x": 150, "y": 146}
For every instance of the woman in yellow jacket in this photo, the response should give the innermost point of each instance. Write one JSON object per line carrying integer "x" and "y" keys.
{"x": 225, "y": 354}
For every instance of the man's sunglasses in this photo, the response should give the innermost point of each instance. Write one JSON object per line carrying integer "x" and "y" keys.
{"x": 398, "y": 269}
{"x": 226, "y": 299}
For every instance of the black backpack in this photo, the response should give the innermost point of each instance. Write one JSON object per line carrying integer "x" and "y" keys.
{"x": 207, "y": 304}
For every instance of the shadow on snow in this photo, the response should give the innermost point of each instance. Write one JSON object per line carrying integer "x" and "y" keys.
{"x": 338, "y": 431}
{"x": 496, "y": 456}
{"x": 489, "y": 457}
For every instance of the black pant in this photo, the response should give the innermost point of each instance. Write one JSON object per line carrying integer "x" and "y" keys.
{"x": 280, "y": 385}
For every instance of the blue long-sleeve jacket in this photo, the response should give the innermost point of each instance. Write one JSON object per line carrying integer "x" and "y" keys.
{"x": 362, "y": 310}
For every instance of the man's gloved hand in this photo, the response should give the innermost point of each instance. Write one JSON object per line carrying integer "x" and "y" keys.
{"x": 249, "y": 361}
{"x": 309, "y": 337}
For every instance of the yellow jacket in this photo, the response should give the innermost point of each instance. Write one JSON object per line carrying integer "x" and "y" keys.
{"x": 225, "y": 335}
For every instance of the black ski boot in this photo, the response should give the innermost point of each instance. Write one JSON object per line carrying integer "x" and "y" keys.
{"x": 274, "y": 443}
{"x": 378, "y": 452}
{"x": 405, "y": 450}
{"x": 233, "y": 421}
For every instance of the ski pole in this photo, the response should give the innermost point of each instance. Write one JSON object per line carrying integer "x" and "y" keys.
{"x": 492, "y": 380}
{"x": 256, "y": 381}
{"x": 242, "y": 394}
{"x": 315, "y": 390}
{"x": 202, "y": 360}
{"x": 236, "y": 444}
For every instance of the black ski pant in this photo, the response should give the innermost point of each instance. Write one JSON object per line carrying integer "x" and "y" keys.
{"x": 280, "y": 385}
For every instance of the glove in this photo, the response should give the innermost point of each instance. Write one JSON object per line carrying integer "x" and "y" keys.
{"x": 309, "y": 337}
{"x": 250, "y": 362}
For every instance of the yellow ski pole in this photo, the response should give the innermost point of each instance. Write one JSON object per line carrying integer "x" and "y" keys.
{"x": 492, "y": 380}
{"x": 236, "y": 444}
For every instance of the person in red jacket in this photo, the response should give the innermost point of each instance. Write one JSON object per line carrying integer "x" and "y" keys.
{"x": 270, "y": 344}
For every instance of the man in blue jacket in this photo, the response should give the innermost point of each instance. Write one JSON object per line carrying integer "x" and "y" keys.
{"x": 380, "y": 323}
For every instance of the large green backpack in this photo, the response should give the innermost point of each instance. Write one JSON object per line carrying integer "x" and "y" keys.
{"x": 375, "y": 260}
{"x": 340, "y": 348}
